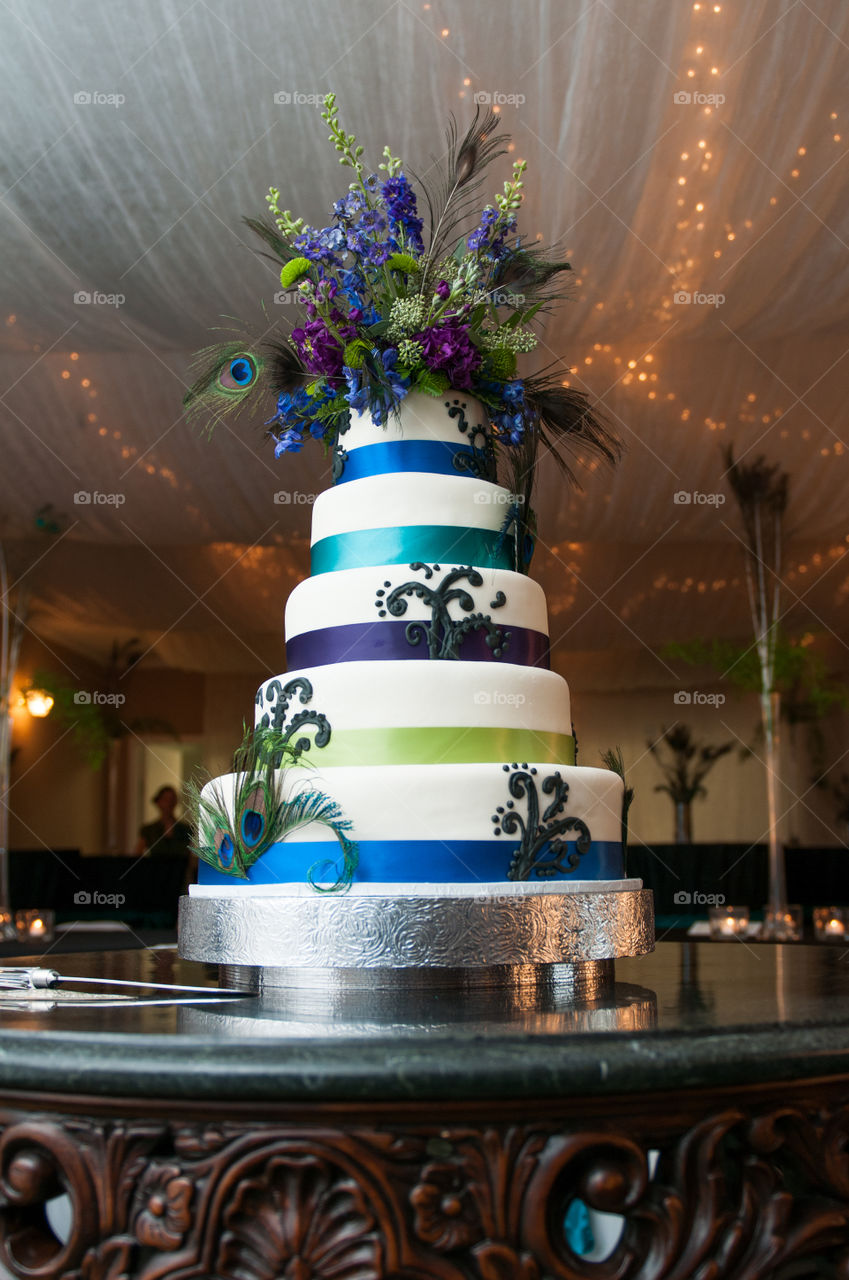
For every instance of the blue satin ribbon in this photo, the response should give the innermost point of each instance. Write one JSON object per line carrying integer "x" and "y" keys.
{"x": 404, "y": 544}
{"x": 377, "y": 641}
{"x": 413, "y": 862}
{"x": 434, "y": 456}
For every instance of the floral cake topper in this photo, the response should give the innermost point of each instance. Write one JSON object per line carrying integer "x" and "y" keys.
{"x": 399, "y": 297}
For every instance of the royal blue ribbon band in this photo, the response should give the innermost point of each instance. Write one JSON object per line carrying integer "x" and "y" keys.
{"x": 379, "y": 641}
{"x": 433, "y": 456}
{"x": 413, "y": 862}
{"x": 404, "y": 544}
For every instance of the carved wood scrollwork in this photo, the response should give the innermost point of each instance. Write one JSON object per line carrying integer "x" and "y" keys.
{"x": 741, "y": 1193}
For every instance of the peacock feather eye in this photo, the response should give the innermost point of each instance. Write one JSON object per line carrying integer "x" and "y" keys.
{"x": 253, "y": 817}
{"x": 225, "y": 848}
{"x": 238, "y": 374}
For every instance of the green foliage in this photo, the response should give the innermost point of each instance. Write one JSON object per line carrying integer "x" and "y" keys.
{"x": 356, "y": 353}
{"x": 85, "y": 720}
{"x": 612, "y": 759}
{"x": 431, "y": 382}
{"x": 800, "y": 675}
{"x": 684, "y": 762}
{"x": 403, "y": 262}
{"x": 293, "y": 271}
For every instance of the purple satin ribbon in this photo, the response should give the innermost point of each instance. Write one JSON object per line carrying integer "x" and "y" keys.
{"x": 379, "y": 640}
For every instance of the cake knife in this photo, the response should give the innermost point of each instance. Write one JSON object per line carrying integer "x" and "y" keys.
{"x": 32, "y": 978}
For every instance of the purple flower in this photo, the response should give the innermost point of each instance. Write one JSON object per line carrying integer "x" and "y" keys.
{"x": 400, "y": 200}
{"x": 449, "y": 349}
{"x": 443, "y": 290}
{"x": 318, "y": 349}
{"x": 483, "y": 240}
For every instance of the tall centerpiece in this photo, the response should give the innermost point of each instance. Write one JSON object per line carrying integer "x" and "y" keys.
{"x": 408, "y": 798}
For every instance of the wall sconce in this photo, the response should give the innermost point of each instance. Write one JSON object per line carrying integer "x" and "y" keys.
{"x": 39, "y": 703}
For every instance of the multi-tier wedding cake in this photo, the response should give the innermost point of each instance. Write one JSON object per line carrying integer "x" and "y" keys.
{"x": 409, "y": 796}
{"x": 419, "y": 678}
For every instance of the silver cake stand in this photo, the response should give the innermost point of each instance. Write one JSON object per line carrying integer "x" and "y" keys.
{"x": 530, "y": 938}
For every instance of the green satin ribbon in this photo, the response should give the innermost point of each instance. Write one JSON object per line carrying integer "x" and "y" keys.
{"x": 428, "y": 543}
{"x": 442, "y": 745}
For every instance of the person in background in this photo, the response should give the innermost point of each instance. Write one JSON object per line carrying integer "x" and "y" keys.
{"x": 167, "y": 837}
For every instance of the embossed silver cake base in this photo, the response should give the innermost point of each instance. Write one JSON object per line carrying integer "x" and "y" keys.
{"x": 377, "y": 941}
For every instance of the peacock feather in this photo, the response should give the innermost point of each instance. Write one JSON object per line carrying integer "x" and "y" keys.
{"x": 564, "y": 421}
{"x": 231, "y": 835}
{"x": 232, "y": 376}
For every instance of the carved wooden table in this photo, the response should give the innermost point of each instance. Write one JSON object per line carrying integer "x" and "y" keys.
{"x": 440, "y": 1136}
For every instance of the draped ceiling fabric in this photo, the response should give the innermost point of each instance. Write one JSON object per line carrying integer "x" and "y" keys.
{"x": 677, "y": 151}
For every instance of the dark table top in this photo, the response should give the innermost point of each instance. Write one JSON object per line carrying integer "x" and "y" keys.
{"x": 691, "y": 1014}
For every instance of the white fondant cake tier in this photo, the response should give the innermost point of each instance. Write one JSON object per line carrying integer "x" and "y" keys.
{"x": 351, "y": 596}
{"x": 442, "y": 802}
{"x": 420, "y": 417}
{"x": 439, "y": 823}
{"x": 461, "y": 696}
{"x": 401, "y": 500}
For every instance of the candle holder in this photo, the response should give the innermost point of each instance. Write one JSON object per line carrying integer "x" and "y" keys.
{"x": 728, "y": 922}
{"x": 33, "y": 925}
{"x": 783, "y": 924}
{"x": 8, "y": 932}
{"x": 831, "y": 924}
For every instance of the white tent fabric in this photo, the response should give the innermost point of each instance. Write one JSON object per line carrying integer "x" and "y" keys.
{"x": 692, "y": 159}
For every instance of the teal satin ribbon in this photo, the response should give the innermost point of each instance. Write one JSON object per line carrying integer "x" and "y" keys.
{"x": 428, "y": 543}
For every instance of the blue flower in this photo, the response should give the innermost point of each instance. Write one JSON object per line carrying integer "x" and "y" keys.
{"x": 400, "y": 200}
{"x": 357, "y": 393}
{"x": 289, "y": 441}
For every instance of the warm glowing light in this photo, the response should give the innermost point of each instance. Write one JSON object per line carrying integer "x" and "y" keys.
{"x": 731, "y": 235}
{"x": 699, "y": 48}
{"x": 649, "y": 359}
{"x": 85, "y": 382}
{"x": 66, "y": 374}
{"x": 467, "y": 82}
{"x": 691, "y": 72}
{"x": 699, "y": 207}
{"x": 445, "y": 33}
{"x": 702, "y": 143}
{"x": 803, "y": 151}
{"x": 39, "y": 703}
{"x": 685, "y": 155}
{"x": 714, "y": 71}
{"x": 642, "y": 377}
{"x": 75, "y": 355}
{"x": 682, "y": 182}
{"x": 632, "y": 364}
{"x": 794, "y": 173}
{"x": 837, "y": 137}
